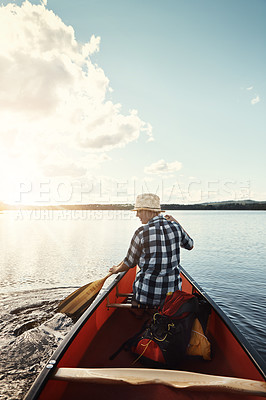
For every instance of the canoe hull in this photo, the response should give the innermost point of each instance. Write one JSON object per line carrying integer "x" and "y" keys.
{"x": 102, "y": 329}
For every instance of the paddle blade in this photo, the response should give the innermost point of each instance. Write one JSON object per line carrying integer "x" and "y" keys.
{"x": 77, "y": 302}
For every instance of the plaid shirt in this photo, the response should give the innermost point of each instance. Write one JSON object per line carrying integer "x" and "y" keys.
{"x": 155, "y": 248}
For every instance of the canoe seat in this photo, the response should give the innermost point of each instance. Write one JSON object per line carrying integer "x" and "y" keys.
{"x": 129, "y": 302}
{"x": 172, "y": 378}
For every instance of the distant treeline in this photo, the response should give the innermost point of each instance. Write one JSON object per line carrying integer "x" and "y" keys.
{"x": 230, "y": 205}
{"x": 217, "y": 206}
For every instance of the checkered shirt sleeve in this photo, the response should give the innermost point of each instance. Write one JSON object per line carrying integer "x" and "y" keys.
{"x": 134, "y": 251}
{"x": 186, "y": 241}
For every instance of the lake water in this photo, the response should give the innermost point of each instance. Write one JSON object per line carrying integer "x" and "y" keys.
{"x": 45, "y": 255}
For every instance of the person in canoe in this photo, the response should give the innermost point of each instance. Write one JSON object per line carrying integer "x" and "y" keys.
{"x": 155, "y": 248}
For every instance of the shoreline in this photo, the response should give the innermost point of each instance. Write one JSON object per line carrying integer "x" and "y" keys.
{"x": 230, "y": 205}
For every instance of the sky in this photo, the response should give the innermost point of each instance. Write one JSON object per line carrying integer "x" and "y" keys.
{"x": 101, "y": 100}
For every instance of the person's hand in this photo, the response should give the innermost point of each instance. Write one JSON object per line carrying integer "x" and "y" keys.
{"x": 170, "y": 218}
{"x": 114, "y": 269}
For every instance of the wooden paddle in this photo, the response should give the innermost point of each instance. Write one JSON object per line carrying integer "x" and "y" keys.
{"x": 77, "y": 302}
{"x": 176, "y": 379}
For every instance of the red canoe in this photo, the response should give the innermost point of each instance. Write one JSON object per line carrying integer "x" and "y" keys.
{"x": 81, "y": 369}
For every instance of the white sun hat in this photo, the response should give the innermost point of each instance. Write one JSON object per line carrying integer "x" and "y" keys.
{"x": 148, "y": 201}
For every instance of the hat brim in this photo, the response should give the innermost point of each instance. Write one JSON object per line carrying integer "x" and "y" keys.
{"x": 147, "y": 209}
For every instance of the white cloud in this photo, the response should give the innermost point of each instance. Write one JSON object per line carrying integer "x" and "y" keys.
{"x": 53, "y": 96}
{"x": 255, "y": 100}
{"x": 250, "y": 88}
{"x": 162, "y": 167}
{"x": 69, "y": 169}
{"x": 110, "y": 129}
{"x": 58, "y": 164}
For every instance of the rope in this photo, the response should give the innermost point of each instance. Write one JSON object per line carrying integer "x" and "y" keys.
{"x": 199, "y": 334}
{"x": 146, "y": 346}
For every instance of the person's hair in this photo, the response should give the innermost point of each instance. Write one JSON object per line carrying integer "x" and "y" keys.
{"x": 150, "y": 213}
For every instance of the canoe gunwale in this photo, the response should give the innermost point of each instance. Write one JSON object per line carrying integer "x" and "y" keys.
{"x": 248, "y": 348}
